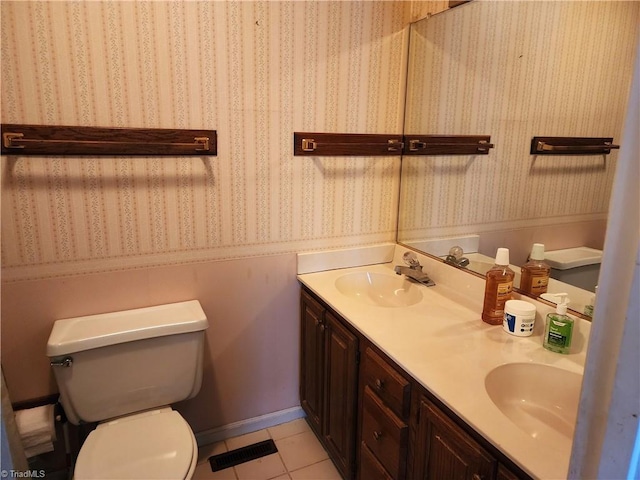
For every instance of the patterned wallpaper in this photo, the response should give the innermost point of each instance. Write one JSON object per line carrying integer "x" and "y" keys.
{"x": 254, "y": 71}
{"x": 514, "y": 70}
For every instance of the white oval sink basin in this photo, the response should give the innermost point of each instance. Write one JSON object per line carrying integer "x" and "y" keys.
{"x": 380, "y": 289}
{"x": 540, "y": 399}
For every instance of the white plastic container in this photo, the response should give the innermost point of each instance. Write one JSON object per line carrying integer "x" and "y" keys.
{"x": 519, "y": 318}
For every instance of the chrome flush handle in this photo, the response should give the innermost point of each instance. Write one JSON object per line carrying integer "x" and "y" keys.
{"x": 63, "y": 362}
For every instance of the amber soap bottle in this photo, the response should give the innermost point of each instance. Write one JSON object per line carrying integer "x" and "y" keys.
{"x": 498, "y": 288}
{"x": 535, "y": 273}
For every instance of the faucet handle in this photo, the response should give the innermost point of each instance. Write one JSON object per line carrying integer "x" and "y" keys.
{"x": 411, "y": 259}
{"x": 456, "y": 252}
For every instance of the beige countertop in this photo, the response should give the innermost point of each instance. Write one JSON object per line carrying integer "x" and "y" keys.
{"x": 443, "y": 344}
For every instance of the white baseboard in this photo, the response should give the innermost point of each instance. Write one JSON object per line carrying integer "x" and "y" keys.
{"x": 247, "y": 426}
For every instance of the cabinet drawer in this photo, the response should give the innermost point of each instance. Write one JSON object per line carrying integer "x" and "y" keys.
{"x": 389, "y": 385}
{"x": 370, "y": 467}
{"x": 384, "y": 434}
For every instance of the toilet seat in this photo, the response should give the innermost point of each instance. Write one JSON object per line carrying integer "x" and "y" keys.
{"x": 156, "y": 444}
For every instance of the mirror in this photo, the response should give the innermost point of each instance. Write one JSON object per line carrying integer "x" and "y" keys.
{"x": 515, "y": 70}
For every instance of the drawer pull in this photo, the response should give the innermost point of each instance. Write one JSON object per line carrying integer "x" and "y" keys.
{"x": 378, "y": 435}
{"x": 379, "y": 384}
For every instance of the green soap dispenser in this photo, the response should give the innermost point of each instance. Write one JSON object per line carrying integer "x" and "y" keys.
{"x": 559, "y": 327}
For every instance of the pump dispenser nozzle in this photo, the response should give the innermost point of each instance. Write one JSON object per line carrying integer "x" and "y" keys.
{"x": 563, "y": 301}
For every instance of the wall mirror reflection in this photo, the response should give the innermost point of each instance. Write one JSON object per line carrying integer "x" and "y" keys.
{"x": 515, "y": 70}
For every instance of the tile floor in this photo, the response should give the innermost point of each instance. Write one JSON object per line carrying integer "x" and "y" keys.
{"x": 300, "y": 456}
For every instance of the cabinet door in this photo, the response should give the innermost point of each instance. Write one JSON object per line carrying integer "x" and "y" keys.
{"x": 444, "y": 450}
{"x": 341, "y": 350}
{"x": 311, "y": 358}
{"x": 505, "y": 474}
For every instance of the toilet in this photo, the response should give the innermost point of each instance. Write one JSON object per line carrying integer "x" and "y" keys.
{"x": 124, "y": 370}
{"x": 578, "y": 266}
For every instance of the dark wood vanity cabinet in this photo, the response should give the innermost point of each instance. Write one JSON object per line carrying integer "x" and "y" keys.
{"x": 328, "y": 381}
{"x": 376, "y": 421}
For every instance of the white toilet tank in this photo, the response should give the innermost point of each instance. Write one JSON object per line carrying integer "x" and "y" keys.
{"x": 118, "y": 363}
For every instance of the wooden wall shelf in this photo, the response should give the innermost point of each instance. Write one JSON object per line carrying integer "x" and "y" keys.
{"x": 18, "y": 139}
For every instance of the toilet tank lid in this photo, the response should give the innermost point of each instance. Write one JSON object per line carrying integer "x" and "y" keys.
{"x": 77, "y": 334}
{"x": 572, "y": 257}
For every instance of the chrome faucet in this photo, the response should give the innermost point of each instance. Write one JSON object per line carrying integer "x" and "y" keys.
{"x": 456, "y": 259}
{"x": 413, "y": 270}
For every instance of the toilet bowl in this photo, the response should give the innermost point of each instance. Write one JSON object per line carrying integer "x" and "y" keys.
{"x": 124, "y": 370}
{"x": 154, "y": 444}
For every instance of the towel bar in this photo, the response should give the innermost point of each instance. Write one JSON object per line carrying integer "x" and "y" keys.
{"x": 572, "y": 145}
{"x": 73, "y": 140}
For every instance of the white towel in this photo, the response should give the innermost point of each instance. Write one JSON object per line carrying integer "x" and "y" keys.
{"x": 37, "y": 429}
